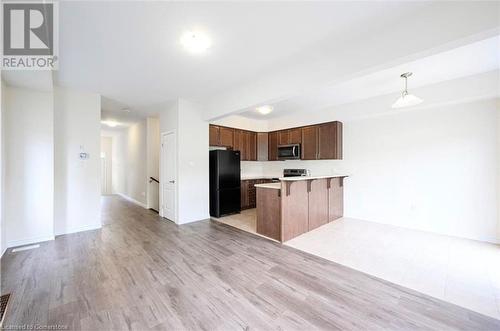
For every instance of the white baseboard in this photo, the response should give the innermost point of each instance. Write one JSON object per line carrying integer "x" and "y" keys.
{"x": 126, "y": 197}
{"x": 194, "y": 220}
{"x": 27, "y": 241}
{"x": 87, "y": 227}
{"x": 3, "y": 252}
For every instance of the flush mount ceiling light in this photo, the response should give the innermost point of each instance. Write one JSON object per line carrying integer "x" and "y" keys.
{"x": 264, "y": 110}
{"x": 406, "y": 99}
{"x": 195, "y": 42}
{"x": 111, "y": 124}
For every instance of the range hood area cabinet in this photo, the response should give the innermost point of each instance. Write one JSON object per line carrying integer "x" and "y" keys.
{"x": 318, "y": 142}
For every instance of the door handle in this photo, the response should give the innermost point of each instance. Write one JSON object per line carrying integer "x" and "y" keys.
{"x": 171, "y": 181}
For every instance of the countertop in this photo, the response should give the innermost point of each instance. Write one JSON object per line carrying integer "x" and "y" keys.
{"x": 274, "y": 186}
{"x": 286, "y": 179}
{"x": 250, "y": 177}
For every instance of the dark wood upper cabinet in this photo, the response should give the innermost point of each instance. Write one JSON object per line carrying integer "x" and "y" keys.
{"x": 252, "y": 146}
{"x": 244, "y": 145}
{"x": 330, "y": 141}
{"x": 295, "y": 136}
{"x": 309, "y": 143}
{"x": 291, "y": 136}
{"x": 237, "y": 140}
{"x": 213, "y": 137}
{"x": 339, "y": 144}
{"x": 226, "y": 137}
{"x": 283, "y": 137}
{"x": 273, "y": 146}
{"x": 319, "y": 142}
{"x": 262, "y": 146}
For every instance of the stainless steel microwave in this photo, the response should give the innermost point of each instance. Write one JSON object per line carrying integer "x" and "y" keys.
{"x": 289, "y": 152}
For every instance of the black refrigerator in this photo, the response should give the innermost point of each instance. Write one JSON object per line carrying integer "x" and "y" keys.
{"x": 225, "y": 181}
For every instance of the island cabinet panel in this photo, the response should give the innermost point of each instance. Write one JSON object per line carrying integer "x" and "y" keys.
{"x": 335, "y": 199}
{"x": 269, "y": 213}
{"x": 310, "y": 143}
{"x": 294, "y": 209}
{"x": 318, "y": 203}
{"x": 273, "y": 146}
{"x": 213, "y": 135}
{"x": 262, "y": 146}
{"x": 226, "y": 137}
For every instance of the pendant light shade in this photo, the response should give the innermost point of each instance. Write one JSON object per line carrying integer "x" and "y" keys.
{"x": 406, "y": 99}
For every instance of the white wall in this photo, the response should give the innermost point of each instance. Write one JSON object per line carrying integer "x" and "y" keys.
{"x": 29, "y": 166}
{"x": 245, "y": 123}
{"x": 498, "y": 167}
{"x": 77, "y": 182}
{"x": 119, "y": 140}
{"x": 136, "y": 171}
{"x": 3, "y": 106}
{"x": 193, "y": 163}
{"x": 185, "y": 118}
{"x": 153, "y": 161}
{"x": 434, "y": 169}
{"x": 107, "y": 173}
{"x": 130, "y": 161}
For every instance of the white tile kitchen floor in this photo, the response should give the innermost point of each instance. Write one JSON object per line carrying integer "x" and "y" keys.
{"x": 246, "y": 220}
{"x": 460, "y": 271}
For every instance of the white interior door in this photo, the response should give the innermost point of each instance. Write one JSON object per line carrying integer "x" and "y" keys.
{"x": 168, "y": 176}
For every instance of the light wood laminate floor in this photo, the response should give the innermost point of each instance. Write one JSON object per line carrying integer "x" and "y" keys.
{"x": 141, "y": 272}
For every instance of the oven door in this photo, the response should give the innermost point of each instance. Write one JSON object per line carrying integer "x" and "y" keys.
{"x": 289, "y": 152}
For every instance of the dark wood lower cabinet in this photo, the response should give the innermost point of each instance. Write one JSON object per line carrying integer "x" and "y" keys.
{"x": 249, "y": 192}
{"x": 269, "y": 213}
{"x": 244, "y": 194}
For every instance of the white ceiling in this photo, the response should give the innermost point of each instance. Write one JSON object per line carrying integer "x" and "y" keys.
{"x": 472, "y": 59}
{"x": 299, "y": 56}
{"x": 129, "y": 52}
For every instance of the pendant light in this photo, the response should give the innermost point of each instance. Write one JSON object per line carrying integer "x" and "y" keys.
{"x": 406, "y": 99}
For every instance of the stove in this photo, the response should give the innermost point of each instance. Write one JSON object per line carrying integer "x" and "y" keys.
{"x": 294, "y": 172}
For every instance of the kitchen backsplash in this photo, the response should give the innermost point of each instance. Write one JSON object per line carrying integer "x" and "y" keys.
{"x": 275, "y": 168}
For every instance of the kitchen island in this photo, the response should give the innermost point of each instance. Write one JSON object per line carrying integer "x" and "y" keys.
{"x": 297, "y": 205}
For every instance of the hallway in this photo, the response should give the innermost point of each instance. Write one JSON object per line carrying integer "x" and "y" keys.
{"x": 141, "y": 272}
